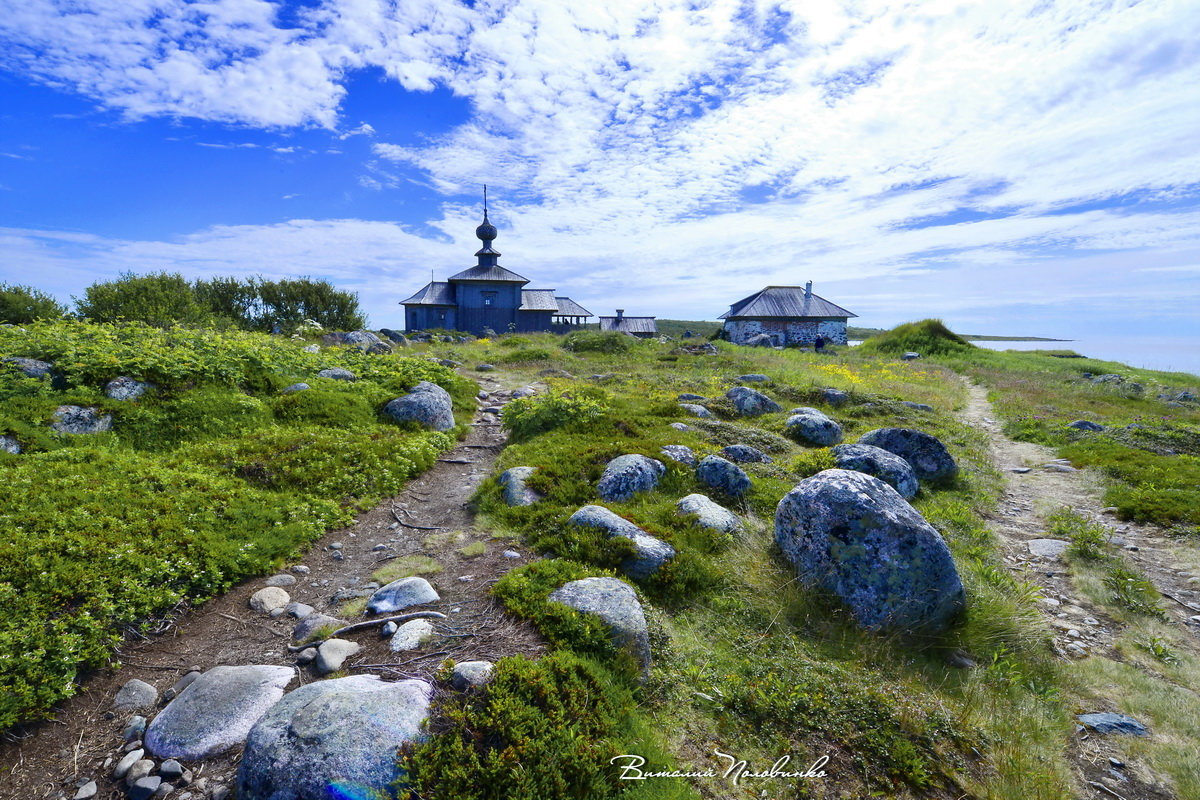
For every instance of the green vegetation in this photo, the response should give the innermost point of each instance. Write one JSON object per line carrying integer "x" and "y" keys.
{"x": 22, "y": 304}
{"x": 164, "y": 299}
{"x": 928, "y": 337}
{"x": 209, "y": 478}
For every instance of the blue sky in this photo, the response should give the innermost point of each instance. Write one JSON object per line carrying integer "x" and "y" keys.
{"x": 1025, "y": 167}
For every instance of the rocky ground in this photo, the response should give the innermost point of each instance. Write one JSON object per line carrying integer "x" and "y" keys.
{"x": 429, "y": 525}
{"x": 1038, "y": 484}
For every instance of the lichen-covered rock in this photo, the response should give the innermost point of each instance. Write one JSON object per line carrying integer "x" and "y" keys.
{"x": 744, "y": 453}
{"x": 295, "y": 387}
{"x": 311, "y": 623}
{"x": 811, "y": 427}
{"x": 709, "y": 514}
{"x": 216, "y": 711}
{"x": 854, "y": 536}
{"x": 688, "y": 397}
{"x": 888, "y": 467}
{"x": 395, "y": 336}
{"x": 627, "y": 475}
{"x": 695, "y": 410}
{"x": 680, "y": 453}
{"x": 79, "y": 421}
{"x": 9, "y": 444}
{"x": 916, "y": 406}
{"x": 334, "y": 733}
{"x": 471, "y": 674}
{"x": 337, "y": 374}
{"x": 929, "y": 458}
{"x": 332, "y": 653}
{"x": 31, "y": 367}
{"x": 753, "y": 377}
{"x": 365, "y": 341}
{"x": 402, "y": 594}
{"x": 751, "y": 402}
{"x": 835, "y": 397}
{"x": 650, "y": 553}
{"x": 426, "y": 404}
{"x": 126, "y": 388}
{"x": 722, "y": 475}
{"x": 516, "y": 493}
{"x": 135, "y": 694}
{"x": 412, "y": 635}
{"x": 268, "y": 599}
{"x": 616, "y": 604}
{"x": 1086, "y": 425}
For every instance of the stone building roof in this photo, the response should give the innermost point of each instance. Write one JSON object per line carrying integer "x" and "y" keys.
{"x": 785, "y": 301}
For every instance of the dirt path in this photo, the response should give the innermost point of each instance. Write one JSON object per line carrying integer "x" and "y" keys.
{"x": 1038, "y": 484}
{"x": 429, "y": 521}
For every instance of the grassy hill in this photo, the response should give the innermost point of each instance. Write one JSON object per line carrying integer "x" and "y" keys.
{"x": 216, "y": 475}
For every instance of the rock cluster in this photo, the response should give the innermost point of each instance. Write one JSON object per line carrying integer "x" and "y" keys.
{"x": 929, "y": 458}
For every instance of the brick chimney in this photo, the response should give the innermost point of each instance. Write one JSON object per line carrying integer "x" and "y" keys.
{"x": 808, "y": 289}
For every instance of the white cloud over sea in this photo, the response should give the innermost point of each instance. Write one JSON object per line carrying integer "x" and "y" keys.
{"x": 984, "y": 161}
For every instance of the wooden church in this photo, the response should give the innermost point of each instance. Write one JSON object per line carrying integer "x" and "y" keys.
{"x": 487, "y": 298}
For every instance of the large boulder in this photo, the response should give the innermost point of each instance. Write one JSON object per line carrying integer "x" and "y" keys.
{"x": 854, "y": 536}
{"x": 888, "y": 467}
{"x": 744, "y": 453}
{"x": 708, "y": 514}
{"x": 516, "y": 492}
{"x": 395, "y": 336}
{"x": 335, "y": 733}
{"x": 126, "y": 388}
{"x": 9, "y": 444}
{"x": 627, "y": 475}
{"x": 1086, "y": 425}
{"x": 402, "y": 594}
{"x": 723, "y": 475}
{"x": 616, "y": 604}
{"x": 810, "y": 426}
{"x": 835, "y": 397}
{"x": 365, "y": 341}
{"x": 650, "y": 553}
{"x": 751, "y": 402}
{"x": 216, "y": 711}
{"x": 427, "y": 404}
{"x": 31, "y": 367}
{"x": 930, "y": 459}
{"x": 695, "y": 410}
{"x": 679, "y": 453}
{"x": 78, "y": 421}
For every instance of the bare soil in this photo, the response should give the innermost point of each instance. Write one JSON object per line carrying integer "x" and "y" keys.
{"x": 432, "y": 517}
{"x": 1028, "y": 498}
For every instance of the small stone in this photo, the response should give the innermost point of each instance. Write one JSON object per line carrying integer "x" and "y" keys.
{"x": 338, "y": 555}
{"x": 333, "y": 653}
{"x": 145, "y": 788}
{"x": 388, "y": 629}
{"x": 281, "y": 580}
{"x": 679, "y": 426}
{"x": 1076, "y": 649}
{"x": 412, "y": 635}
{"x": 134, "y": 729}
{"x": 170, "y": 769}
{"x": 300, "y": 569}
{"x": 511, "y": 554}
{"x": 960, "y": 659}
{"x": 471, "y": 674}
{"x": 306, "y": 656}
{"x": 135, "y": 694}
{"x": 337, "y": 374}
{"x": 1049, "y": 601}
{"x": 1090, "y": 621}
{"x": 1058, "y": 468}
{"x": 1020, "y": 470}
{"x": 335, "y": 546}
{"x": 1047, "y": 548}
{"x": 127, "y": 761}
{"x": 138, "y": 770}
{"x": 1107, "y": 722}
{"x": 401, "y": 594}
{"x": 695, "y": 411}
{"x": 295, "y": 387}
{"x": 1116, "y": 763}
{"x": 267, "y": 599}
{"x": 87, "y": 791}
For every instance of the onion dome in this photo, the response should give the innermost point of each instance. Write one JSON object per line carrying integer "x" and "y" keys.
{"x": 487, "y": 231}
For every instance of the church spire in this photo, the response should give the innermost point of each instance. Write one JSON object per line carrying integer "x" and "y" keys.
{"x": 486, "y": 233}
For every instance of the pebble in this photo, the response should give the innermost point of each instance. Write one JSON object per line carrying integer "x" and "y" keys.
{"x": 276, "y": 612}
{"x": 338, "y": 555}
{"x": 170, "y": 769}
{"x": 1074, "y": 634}
{"x": 145, "y": 788}
{"x": 135, "y": 694}
{"x": 1116, "y": 763}
{"x": 335, "y": 546}
{"x": 511, "y": 554}
{"x": 138, "y": 770}
{"x": 1194, "y": 619}
{"x": 1020, "y": 470}
{"x": 377, "y": 548}
{"x": 300, "y": 569}
{"x": 299, "y": 610}
{"x": 87, "y": 791}
{"x": 1077, "y": 649}
{"x": 135, "y": 728}
{"x": 1090, "y": 621}
{"x": 388, "y": 629}
{"x": 134, "y": 745}
{"x": 267, "y": 599}
{"x": 281, "y": 579}
{"x": 305, "y": 657}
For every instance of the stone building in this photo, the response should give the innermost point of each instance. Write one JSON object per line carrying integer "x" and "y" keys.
{"x": 641, "y": 327}
{"x": 788, "y": 315}
{"x": 488, "y": 297}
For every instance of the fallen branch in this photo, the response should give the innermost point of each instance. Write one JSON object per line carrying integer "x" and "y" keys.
{"x": 396, "y": 517}
{"x": 358, "y": 626}
{"x": 1104, "y": 789}
{"x": 456, "y": 461}
{"x": 1188, "y": 606}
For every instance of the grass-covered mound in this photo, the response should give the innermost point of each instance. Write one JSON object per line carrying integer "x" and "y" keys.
{"x": 209, "y": 478}
{"x": 745, "y": 660}
{"x": 927, "y": 337}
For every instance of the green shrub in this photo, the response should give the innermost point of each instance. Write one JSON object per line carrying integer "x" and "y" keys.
{"x": 205, "y": 413}
{"x": 524, "y": 591}
{"x": 22, "y": 304}
{"x": 1089, "y": 541}
{"x": 596, "y": 342}
{"x": 325, "y": 407}
{"x": 527, "y": 417}
{"x": 515, "y": 341}
{"x": 541, "y": 729}
{"x": 160, "y": 299}
{"x": 1132, "y": 591}
{"x": 525, "y": 355}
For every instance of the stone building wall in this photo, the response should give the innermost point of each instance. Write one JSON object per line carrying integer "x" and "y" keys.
{"x": 787, "y": 331}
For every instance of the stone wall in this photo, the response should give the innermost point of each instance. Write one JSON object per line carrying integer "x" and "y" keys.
{"x": 787, "y": 331}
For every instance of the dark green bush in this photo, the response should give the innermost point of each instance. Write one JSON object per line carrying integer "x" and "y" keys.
{"x": 596, "y": 342}
{"x": 325, "y": 407}
{"x": 206, "y": 413}
{"x": 927, "y": 337}
{"x": 527, "y": 417}
{"x": 161, "y": 299}
{"x": 525, "y": 355}
{"x": 22, "y": 304}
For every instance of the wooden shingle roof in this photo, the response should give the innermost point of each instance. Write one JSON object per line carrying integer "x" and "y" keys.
{"x": 438, "y": 293}
{"x": 538, "y": 300}
{"x": 785, "y": 301}
{"x": 629, "y": 324}
{"x": 494, "y": 272}
{"x": 569, "y": 308}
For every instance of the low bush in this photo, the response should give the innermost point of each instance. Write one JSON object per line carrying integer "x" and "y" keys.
{"x": 596, "y": 342}
{"x": 527, "y": 417}
{"x": 927, "y": 337}
{"x": 525, "y": 355}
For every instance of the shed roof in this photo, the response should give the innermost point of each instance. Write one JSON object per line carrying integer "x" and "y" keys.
{"x": 538, "y": 300}
{"x": 494, "y": 272}
{"x": 569, "y": 308}
{"x": 785, "y": 301}
{"x": 629, "y": 324}
{"x": 438, "y": 293}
